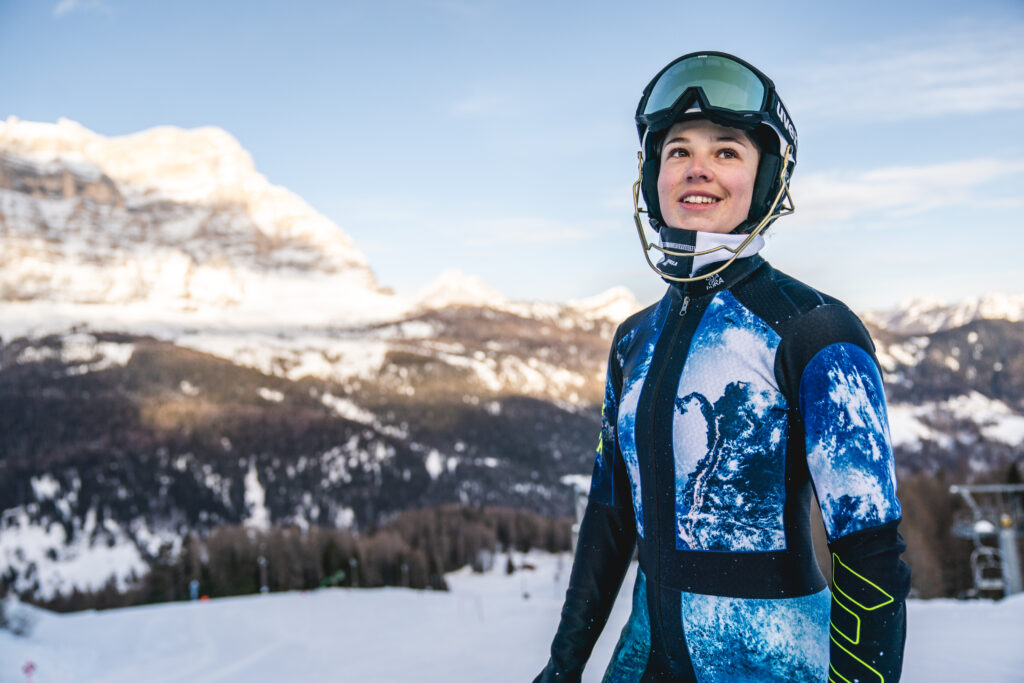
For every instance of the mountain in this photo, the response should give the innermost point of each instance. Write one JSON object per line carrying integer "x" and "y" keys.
{"x": 167, "y": 220}
{"x": 184, "y": 345}
{"x": 919, "y": 316}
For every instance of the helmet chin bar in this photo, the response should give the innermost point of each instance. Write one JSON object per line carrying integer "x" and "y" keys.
{"x": 783, "y": 203}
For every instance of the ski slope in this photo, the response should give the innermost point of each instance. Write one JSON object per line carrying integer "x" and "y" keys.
{"x": 482, "y": 630}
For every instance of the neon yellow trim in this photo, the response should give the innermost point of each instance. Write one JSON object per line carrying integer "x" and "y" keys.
{"x": 832, "y": 670}
{"x": 835, "y": 584}
{"x": 881, "y": 678}
{"x": 600, "y": 445}
{"x": 856, "y": 637}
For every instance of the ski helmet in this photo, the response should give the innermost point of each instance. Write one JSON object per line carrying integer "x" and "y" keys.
{"x": 730, "y": 92}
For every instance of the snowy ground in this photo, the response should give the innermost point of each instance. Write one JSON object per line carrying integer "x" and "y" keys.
{"x": 482, "y": 630}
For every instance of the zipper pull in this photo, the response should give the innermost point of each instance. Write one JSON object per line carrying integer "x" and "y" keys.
{"x": 686, "y": 305}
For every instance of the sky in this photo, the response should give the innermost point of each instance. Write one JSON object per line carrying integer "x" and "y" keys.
{"x": 497, "y": 137}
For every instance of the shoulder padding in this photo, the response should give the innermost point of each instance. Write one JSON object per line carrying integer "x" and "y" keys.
{"x": 806, "y": 320}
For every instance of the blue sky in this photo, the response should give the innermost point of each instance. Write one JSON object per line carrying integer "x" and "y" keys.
{"x": 497, "y": 137}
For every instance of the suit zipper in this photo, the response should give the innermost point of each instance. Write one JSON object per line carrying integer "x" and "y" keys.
{"x": 684, "y": 307}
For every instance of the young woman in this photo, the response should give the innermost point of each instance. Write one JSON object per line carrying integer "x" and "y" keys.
{"x": 726, "y": 402}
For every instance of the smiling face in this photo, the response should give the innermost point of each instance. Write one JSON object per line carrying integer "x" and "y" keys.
{"x": 707, "y": 176}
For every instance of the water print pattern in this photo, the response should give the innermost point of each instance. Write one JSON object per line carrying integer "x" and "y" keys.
{"x": 635, "y": 352}
{"x": 602, "y": 489}
{"x": 848, "y": 448}
{"x": 729, "y": 435}
{"x": 629, "y": 661}
{"x": 737, "y": 640}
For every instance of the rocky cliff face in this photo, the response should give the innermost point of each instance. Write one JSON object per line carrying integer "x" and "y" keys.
{"x": 58, "y": 181}
{"x": 169, "y": 218}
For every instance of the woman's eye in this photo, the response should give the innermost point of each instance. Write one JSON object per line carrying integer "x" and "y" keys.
{"x": 676, "y": 152}
{"x": 729, "y": 154}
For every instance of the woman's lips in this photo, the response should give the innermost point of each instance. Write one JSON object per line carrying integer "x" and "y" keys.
{"x": 697, "y": 201}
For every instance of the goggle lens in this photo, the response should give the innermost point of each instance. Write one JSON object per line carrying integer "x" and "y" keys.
{"x": 726, "y": 84}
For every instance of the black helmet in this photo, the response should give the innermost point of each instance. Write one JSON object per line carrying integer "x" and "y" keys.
{"x": 730, "y": 92}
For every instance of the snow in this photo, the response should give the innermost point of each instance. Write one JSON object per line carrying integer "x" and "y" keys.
{"x": 483, "y": 629}
{"x": 82, "y": 352}
{"x": 189, "y": 244}
{"x": 956, "y": 641}
{"x": 256, "y": 500}
{"x": 908, "y": 353}
{"x": 531, "y": 376}
{"x": 270, "y": 395}
{"x": 577, "y": 482}
{"x": 347, "y": 409}
{"x": 199, "y": 231}
{"x": 291, "y": 351}
{"x": 615, "y": 305}
{"x": 908, "y": 430}
{"x": 46, "y": 553}
{"x": 455, "y": 288}
{"x": 932, "y": 314}
{"x": 908, "y": 423}
{"x": 45, "y": 487}
{"x": 345, "y": 518}
{"x": 205, "y": 167}
{"x": 997, "y": 420}
{"x": 434, "y": 464}
{"x": 293, "y": 354}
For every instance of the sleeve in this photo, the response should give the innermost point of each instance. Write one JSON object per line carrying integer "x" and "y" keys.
{"x": 850, "y": 460}
{"x": 607, "y": 536}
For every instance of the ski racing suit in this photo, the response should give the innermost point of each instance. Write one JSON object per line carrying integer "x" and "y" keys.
{"x": 725, "y": 403}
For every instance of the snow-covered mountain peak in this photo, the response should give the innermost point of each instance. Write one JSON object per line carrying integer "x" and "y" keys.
{"x": 203, "y": 164}
{"x": 170, "y": 218}
{"x": 931, "y": 314}
{"x": 615, "y": 304}
{"x": 34, "y": 137}
{"x": 455, "y": 288}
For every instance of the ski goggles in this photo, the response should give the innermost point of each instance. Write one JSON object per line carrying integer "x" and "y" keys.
{"x": 719, "y": 84}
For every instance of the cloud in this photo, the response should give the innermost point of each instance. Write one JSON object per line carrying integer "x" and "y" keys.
{"x": 963, "y": 72}
{"x": 899, "y": 190}
{"x": 67, "y": 6}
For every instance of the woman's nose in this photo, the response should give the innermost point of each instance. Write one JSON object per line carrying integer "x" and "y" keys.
{"x": 698, "y": 169}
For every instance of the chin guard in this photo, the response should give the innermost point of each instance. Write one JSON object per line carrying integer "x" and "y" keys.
{"x": 782, "y": 205}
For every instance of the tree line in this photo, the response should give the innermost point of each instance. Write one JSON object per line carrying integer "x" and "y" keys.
{"x": 414, "y": 549}
{"x": 417, "y": 547}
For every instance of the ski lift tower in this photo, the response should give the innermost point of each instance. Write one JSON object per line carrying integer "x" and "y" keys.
{"x": 998, "y": 516}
